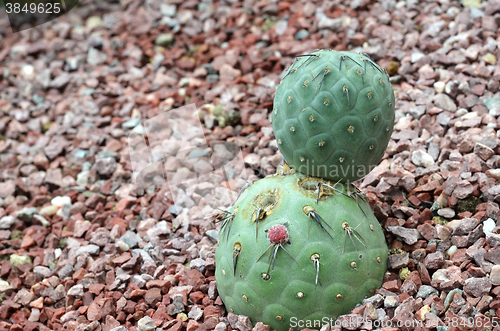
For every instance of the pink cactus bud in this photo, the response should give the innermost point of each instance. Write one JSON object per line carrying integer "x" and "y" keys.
{"x": 278, "y": 234}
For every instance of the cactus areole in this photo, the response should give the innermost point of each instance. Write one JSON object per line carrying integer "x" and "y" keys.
{"x": 333, "y": 115}
{"x": 298, "y": 248}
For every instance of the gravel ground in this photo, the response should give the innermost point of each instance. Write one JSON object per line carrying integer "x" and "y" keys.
{"x": 82, "y": 248}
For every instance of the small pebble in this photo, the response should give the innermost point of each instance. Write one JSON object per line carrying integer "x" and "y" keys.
{"x": 446, "y": 212}
{"x": 6, "y": 222}
{"x": 146, "y": 324}
{"x": 61, "y": 201}
{"x": 495, "y": 275}
{"x": 391, "y": 301}
{"x": 422, "y": 159}
{"x": 488, "y": 226}
{"x": 425, "y": 291}
{"x": 48, "y": 211}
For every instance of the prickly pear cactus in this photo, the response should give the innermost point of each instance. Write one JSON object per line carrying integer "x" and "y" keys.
{"x": 333, "y": 115}
{"x": 292, "y": 249}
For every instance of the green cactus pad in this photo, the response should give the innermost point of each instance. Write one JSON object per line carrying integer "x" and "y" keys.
{"x": 333, "y": 115}
{"x": 340, "y": 229}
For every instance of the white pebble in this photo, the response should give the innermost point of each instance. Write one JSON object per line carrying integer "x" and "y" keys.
{"x": 42, "y": 220}
{"x": 76, "y": 291}
{"x": 28, "y": 71}
{"x": 61, "y": 201}
{"x": 48, "y": 210}
{"x": 495, "y": 274}
{"x": 146, "y": 324}
{"x": 439, "y": 87}
{"x": 122, "y": 245}
{"x": 446, "y": 212}
{"x": 495, "y": 173}
{"x": 488, "y": 226}
{"x": 35, "y": 315}
{"x": 57, "y": 253}
{"x": 422, "y": 159}
{"x": 416, "y": 56}
{"x": 6, "y": 222}
{"x": 452, "y": 250}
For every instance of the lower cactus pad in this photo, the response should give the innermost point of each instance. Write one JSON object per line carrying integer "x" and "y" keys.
{"x": 291, "y": 249}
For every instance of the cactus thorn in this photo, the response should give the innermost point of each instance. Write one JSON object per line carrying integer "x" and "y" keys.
{"x": 315, "y": 260}
{"x": 265, "y": 205}
{"x": 236, "y": 254}
{"x": 310, "y": 58}
{"x": 330, "y": 187}
{"x": 343, "y": 57}
{"x": 351, "y": 232}
{"x": 346, "y": 91}
{"x": 371, "y": 63}
{"x": 312, "y": 213}
{"x": 226, "y": 217}
{"x": 357, "y": 194}
{"x": 326, "y": 71}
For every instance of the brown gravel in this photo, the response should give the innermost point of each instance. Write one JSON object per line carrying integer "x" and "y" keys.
{"x": 82, "y": 248}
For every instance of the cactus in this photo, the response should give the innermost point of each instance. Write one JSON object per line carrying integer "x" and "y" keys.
{"x": 333, "y": 115}
{"x": 295, "y": 246}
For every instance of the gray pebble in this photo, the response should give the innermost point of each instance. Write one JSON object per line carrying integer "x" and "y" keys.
{"x": 146, "y": 324}
{"x": 131, "y": 239}
{"x": 165, "y": 39}
{"x": 168, "y": 9}
{"x": 301, "y": 34}
{"x": 89, "y": 249}
{"x": 425, "y": 291}
{"x": 391, "y": 301}
{"x": 195, "y": 313}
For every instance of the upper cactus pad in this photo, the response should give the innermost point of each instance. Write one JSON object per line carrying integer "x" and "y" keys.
{"x": 333, "y": 115}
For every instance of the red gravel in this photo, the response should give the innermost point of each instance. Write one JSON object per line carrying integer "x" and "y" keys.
{"x": 110, "y": 255}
